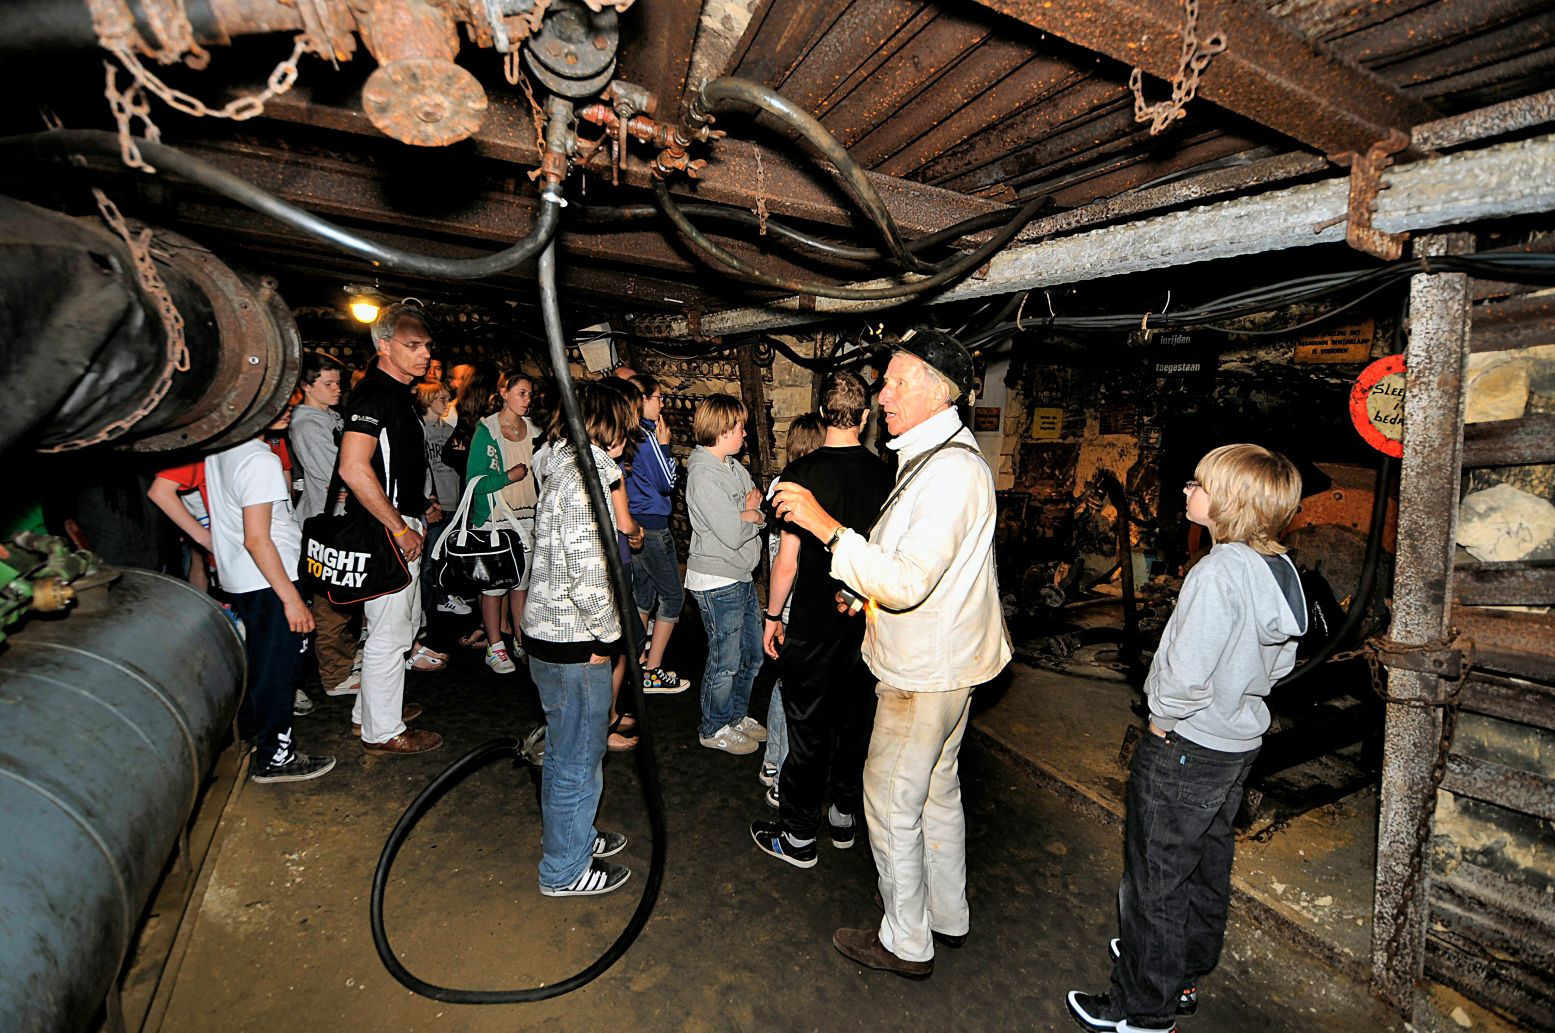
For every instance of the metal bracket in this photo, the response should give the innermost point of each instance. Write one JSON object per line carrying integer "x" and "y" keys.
{"x": 1365, "y": 182}
{"x": 1442, "y": 661}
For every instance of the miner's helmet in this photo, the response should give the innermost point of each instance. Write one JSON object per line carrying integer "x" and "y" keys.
{"x": 945, "y": 354}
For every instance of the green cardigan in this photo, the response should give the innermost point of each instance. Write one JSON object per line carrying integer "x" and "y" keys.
{"x": 484, "y": 466}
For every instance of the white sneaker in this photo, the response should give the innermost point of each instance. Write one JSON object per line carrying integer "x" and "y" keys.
{"x": 453, "y": 604}
{"x": 751, "y": 728}
{"x": 301, "y": 704}
{"x": 349, "y": 687}
{"x": 498, "y": 660}
{"x": 730, "y": 741}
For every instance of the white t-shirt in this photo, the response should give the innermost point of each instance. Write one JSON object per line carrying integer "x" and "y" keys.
{"x": 249, "y": 475}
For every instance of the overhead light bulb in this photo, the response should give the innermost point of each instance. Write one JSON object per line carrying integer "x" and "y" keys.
{"x": 364, "y": 311}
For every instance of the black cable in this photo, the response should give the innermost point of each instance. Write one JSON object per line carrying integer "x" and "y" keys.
{"x": 944, "y": 274}
{"x": 462, "y": 768}
{"x": 732, "y": 92}
{"x": 66, "y": 142}
{"x": 604, "y": 215}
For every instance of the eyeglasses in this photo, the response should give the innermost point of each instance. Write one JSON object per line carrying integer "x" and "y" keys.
{"x": 1191, "y": 487}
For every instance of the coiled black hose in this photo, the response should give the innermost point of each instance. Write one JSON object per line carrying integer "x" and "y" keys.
{"x": 64, "y": 142}
{"x": 944, "y": 274}
{"x": 466, "y": 765}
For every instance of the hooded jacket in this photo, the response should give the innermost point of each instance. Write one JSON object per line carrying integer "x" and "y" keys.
{"x": 1232, "y": 636}
{"x": 721, "y": 543}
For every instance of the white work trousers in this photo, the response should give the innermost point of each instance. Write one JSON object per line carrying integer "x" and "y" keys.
{"x": 392, "y": 623}
{"x": 917, "y": 829}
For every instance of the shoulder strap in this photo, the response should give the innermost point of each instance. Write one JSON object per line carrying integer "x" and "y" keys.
{"x": 915, "y": 465}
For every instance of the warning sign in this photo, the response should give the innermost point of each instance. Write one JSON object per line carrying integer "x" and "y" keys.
{"x": 1347, "y": 342}
{"x": 1047, "y": 424}
{"x": 987, "y": 419}
{"x": 1377, "y": 405}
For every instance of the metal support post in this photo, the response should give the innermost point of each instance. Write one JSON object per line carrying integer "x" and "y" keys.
{"x": 1437, "y": 362}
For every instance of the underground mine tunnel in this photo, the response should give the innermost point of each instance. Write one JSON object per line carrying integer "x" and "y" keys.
{"x": 1070, "y": 535}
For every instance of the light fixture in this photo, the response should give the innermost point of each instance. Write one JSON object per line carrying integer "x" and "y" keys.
{"x": 364, "y": 302}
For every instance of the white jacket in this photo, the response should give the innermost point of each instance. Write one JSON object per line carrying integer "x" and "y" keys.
{"x": 934, "y": 623}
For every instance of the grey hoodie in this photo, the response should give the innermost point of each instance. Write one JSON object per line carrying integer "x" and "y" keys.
{"x": 721, "y": 543}
{"x": 1232, "y": 636}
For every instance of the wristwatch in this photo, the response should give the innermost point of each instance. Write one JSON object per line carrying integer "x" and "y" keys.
{"x": 836, "y": 536}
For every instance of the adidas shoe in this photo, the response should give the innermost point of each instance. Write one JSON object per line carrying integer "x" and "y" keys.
{"x": 1187, "y": 997}
{"x": 771, "y": 796}
{"x": 453, "y": 604}
{"x": 842, "y": 832}
{"x": 771, "y": 838}
{"x": 608, "y": 844}
{"x": 599, "y": 877}
{"x": 302, "y": 706}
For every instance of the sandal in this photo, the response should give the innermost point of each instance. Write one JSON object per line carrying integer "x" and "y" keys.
{"x": 422, "y": 646}
{"x": 626, "y": 724}
{"x": 475, "y": 639}
{"x": 618, "y": 743}
{"x": 423, "y": 659}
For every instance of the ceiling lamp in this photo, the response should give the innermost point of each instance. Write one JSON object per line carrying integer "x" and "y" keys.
{"x": 364, "y": 302}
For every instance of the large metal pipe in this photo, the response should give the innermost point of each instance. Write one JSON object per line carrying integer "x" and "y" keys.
{"x": 88, "y": 345}
{"x": 112, "y": 718}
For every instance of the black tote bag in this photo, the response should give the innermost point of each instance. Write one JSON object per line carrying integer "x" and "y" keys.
{"x": 347, "y": 555}
{"x": 484, "y": 558}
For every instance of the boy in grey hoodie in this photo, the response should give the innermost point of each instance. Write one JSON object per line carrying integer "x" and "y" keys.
{"x": 1231, "y": 638}
{"x": 726, "y": 525}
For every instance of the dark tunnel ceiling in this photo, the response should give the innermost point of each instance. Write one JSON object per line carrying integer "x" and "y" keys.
{"x": 957, "y": 107}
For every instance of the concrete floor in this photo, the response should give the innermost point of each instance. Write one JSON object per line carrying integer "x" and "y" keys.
{"x": 738, "y": 941}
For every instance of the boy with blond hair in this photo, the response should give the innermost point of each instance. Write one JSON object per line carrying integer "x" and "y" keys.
{"x": 1231, "y": 638}
{"x": 726, "y": 525}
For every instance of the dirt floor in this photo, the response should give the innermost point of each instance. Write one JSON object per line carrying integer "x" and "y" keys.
{"x": 737, "y": 941}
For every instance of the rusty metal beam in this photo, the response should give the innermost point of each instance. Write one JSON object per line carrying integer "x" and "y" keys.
{"x": 1520, "y": 322}
{"x": 1520, "y": 583}
{"x": 1493, "y": 182}
{"x": 1267, "y": 73}
{"x": 1437, "y": 356}
{"x": 1511, "y": 699}
{"x": 1509, "y": 641}
{"x": 1523, "y": 442}
{"x": 1514, "y": 789}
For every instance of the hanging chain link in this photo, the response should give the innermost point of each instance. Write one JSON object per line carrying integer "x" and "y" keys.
{"x": 1374, "y": 649}
{"x": 175, "y": 347}
{"x": 1196, "y": 57}
{"x": 761, "y": 196}
{"x": 117, "y": 34}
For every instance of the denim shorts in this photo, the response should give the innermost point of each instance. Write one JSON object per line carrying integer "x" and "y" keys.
{"x": 656, "y": 576}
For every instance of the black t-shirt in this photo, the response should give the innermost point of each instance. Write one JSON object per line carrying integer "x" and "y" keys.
{"x": 381, "y": 407}
{"x": 850, "y": 483}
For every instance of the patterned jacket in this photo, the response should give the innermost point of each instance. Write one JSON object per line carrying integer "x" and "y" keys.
{"x": 570, "y": 600}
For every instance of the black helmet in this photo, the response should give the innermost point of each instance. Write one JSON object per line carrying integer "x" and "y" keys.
{"x": 945, "y": 354}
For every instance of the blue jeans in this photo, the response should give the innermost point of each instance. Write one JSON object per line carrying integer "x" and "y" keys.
{"x": 1178, "y": 843}
{"x": 656, "y": 576}
{"x": 576, "y": 698}
{"x": 777, "y": 729}
{"x": 733, "y": 624}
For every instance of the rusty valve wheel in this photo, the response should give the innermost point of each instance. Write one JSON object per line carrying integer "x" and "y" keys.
{"x": 425, "y": 101}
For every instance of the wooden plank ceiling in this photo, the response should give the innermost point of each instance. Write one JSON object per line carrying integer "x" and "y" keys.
{"x": 956, "y": 107}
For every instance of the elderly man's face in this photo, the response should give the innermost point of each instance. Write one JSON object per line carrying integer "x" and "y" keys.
{"x": 909, "y": 393}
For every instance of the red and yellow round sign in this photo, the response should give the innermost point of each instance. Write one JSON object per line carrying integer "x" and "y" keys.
{"x": 1377, "y": 405}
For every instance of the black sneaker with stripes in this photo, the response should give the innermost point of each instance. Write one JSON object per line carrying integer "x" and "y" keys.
{"x": 599, "y": 877}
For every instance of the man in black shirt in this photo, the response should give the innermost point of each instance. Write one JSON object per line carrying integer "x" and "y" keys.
{"x": 828, "y": 692}
{"x": 383, "y": 462}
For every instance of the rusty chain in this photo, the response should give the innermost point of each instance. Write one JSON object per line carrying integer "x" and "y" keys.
{"x": 175, "y": 347}
{"x": 1196, "y": 57}
{"x": 116, "y": 33}
{"x": 761, "y": 196}
{"x": 1373, "y": 650}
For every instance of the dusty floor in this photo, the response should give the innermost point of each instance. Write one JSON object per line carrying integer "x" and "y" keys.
{"x": 738, "y": 941}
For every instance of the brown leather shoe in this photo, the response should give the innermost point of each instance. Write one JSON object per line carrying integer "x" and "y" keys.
{"x": 409, "y": 714}
{"x": 864, "y": 947}
{"x": 412, "y": 740}
{"x": 951, "y": 940}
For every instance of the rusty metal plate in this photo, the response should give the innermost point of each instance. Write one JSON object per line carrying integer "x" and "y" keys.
{"x": 424, "y": 101}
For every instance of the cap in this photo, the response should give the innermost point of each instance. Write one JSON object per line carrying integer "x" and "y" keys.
{"x": 945, "y": 354}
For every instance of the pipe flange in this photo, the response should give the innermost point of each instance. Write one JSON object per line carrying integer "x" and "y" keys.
{"x": 574, "y": 53}
{"x": 424, "y": 101}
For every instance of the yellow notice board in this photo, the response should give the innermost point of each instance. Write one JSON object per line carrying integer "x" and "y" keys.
{"x": 1047, "y": 424}
{"x": 1342, "y": 342}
